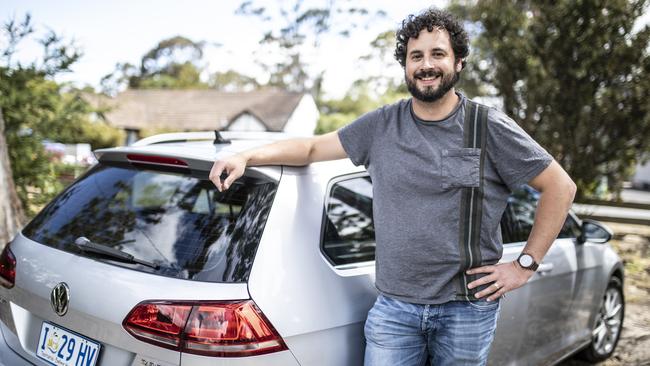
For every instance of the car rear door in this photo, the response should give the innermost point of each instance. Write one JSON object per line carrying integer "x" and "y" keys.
{"x": 314, "y": 272}
{"x": 547, "y": 299}
{"x": 591, "y": 278}
{"x": 507, "y": 347}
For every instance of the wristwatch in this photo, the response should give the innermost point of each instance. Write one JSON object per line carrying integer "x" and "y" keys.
{"x": 526, "y": 261}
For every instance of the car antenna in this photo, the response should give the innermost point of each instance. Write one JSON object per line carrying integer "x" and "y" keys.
{"x": 218, "y": 139}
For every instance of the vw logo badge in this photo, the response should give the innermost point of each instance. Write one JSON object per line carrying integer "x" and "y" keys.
{"x": 60, "y": 298}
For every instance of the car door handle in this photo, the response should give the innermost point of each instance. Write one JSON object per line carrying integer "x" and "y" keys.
{"x": 545, "y": 268}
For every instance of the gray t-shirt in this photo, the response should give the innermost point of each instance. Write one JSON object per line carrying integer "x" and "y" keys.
{"x": 418, "y": 169}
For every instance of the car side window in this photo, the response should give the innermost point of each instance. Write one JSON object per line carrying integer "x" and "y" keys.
{"x": 517, "y": 220}
{"x": 348, "y": 234}
{"x": 570, "y": 229}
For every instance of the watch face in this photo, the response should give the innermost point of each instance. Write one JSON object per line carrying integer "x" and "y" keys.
{"x": 526, "y": 260}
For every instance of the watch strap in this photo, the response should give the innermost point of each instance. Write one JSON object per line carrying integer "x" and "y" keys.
{"x": 533, "y": 266}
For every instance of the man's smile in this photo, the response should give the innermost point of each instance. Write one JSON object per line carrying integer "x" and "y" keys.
{"x": 428, "y": 77}
{"x": 429, "y": 80}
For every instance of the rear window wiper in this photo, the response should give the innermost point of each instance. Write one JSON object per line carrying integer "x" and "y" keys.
{"x": 87, "y": 245}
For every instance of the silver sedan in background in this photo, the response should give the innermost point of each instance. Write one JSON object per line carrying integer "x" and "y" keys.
{"x": 142, "y": 261}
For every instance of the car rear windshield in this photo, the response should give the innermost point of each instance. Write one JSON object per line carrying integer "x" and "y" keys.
{"x": 178, "y": 222}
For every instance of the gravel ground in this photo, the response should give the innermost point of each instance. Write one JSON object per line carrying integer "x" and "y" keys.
{"x": 632, "y": 242}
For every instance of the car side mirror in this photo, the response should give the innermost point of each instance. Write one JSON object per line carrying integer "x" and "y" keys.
{"x": 594, "y": 232}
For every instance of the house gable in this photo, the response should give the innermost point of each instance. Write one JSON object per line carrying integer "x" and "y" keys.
{"x": 304, "y": 117}
{"x": 246, "y": 121}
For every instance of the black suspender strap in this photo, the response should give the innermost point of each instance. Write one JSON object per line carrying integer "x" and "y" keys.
{"x": 471, "y": 203}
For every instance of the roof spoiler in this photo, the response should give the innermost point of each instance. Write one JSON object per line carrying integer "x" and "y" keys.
{"x": 173, "y": 162}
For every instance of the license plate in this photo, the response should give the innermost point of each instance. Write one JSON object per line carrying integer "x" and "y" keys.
{"x": 61, "y": 347}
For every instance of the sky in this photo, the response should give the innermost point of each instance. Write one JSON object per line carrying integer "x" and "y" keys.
{"x": 115, "y": 31}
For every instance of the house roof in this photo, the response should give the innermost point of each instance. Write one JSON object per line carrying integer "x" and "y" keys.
{"x": 195, "y": 109}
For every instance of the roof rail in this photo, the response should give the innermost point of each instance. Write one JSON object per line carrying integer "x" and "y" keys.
{"x": 210, "y": 136}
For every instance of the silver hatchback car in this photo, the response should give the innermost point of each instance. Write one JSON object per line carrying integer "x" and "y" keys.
{"x": 143, "y": 262}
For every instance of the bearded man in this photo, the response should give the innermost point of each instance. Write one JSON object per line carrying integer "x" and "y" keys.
{"x": 442, "y": 167}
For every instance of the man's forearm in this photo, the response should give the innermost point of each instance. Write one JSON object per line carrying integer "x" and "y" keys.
{"x": 552, "y": 209}
{"x": 294, "y": 152}
{"x": 297, "y": 152}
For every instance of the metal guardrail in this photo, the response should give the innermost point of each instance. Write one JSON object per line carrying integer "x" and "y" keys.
{"x": 641, "y": 206}
{"x": 616, "y": 212}
{"x": 618, "y": 220}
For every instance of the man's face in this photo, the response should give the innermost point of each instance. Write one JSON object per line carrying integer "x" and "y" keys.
{"x": 431, "y": 69}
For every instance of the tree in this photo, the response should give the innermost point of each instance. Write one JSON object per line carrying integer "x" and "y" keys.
{"x": 232, "y": 81}
{"x": 295, "y": 27}
{"x": 574, "y": 74}
{"x": 11, "y": 212}
{"x": 36, "y": 108}
{"x": 175, "y": 63}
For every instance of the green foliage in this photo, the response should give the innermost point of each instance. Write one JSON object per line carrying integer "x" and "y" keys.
{"x": 177, "y": 76}
{"x": 175, "y": 63}
{"x": 573, "y": 74}
{"x": 30, "y": 104}
{"x": 232, "y": 81}
{"x": 100, "y": 135}
{"x": 36, "y": 108}
{"x": 333, "y": 121}
{"x": 170, "y": 52}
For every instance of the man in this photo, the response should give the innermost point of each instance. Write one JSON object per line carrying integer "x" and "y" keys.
{"x": 442, "y": 168}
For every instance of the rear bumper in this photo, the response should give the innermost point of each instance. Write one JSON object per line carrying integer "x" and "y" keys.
{"x": 8, "y": 357}
{"x": 283, "y": 358}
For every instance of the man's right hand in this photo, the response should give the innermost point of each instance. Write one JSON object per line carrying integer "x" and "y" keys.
{"x": 233, "y": 165}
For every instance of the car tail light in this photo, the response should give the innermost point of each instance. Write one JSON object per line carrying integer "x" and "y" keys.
{"x": 7, "y": 268}
{"x": 161, "y": 323}
{"x": 209, "y": 328}
{"x": 157, "y": 160}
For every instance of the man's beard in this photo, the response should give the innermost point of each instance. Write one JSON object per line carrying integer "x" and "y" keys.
{"x": 447, "y": 81}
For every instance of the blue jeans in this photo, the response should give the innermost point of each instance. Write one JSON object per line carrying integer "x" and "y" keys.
{"x": 454, "y": 333}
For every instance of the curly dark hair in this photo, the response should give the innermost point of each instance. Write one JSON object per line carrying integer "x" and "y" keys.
{"x": 430, "y": 19}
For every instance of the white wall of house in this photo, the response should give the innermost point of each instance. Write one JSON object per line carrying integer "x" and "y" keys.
{"x": 131, "y": 136}
{"x": 247, "y": 122}
{"x": 304, "y": 118}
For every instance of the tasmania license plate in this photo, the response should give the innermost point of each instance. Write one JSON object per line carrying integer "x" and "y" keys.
{"x": 61, "y": 347}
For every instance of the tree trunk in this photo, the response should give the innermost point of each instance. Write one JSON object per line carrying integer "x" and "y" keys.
{"x": 11, "y": 212}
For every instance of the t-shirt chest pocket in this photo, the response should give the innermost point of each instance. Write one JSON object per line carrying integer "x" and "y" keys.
{"x": 460, "y": 168}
